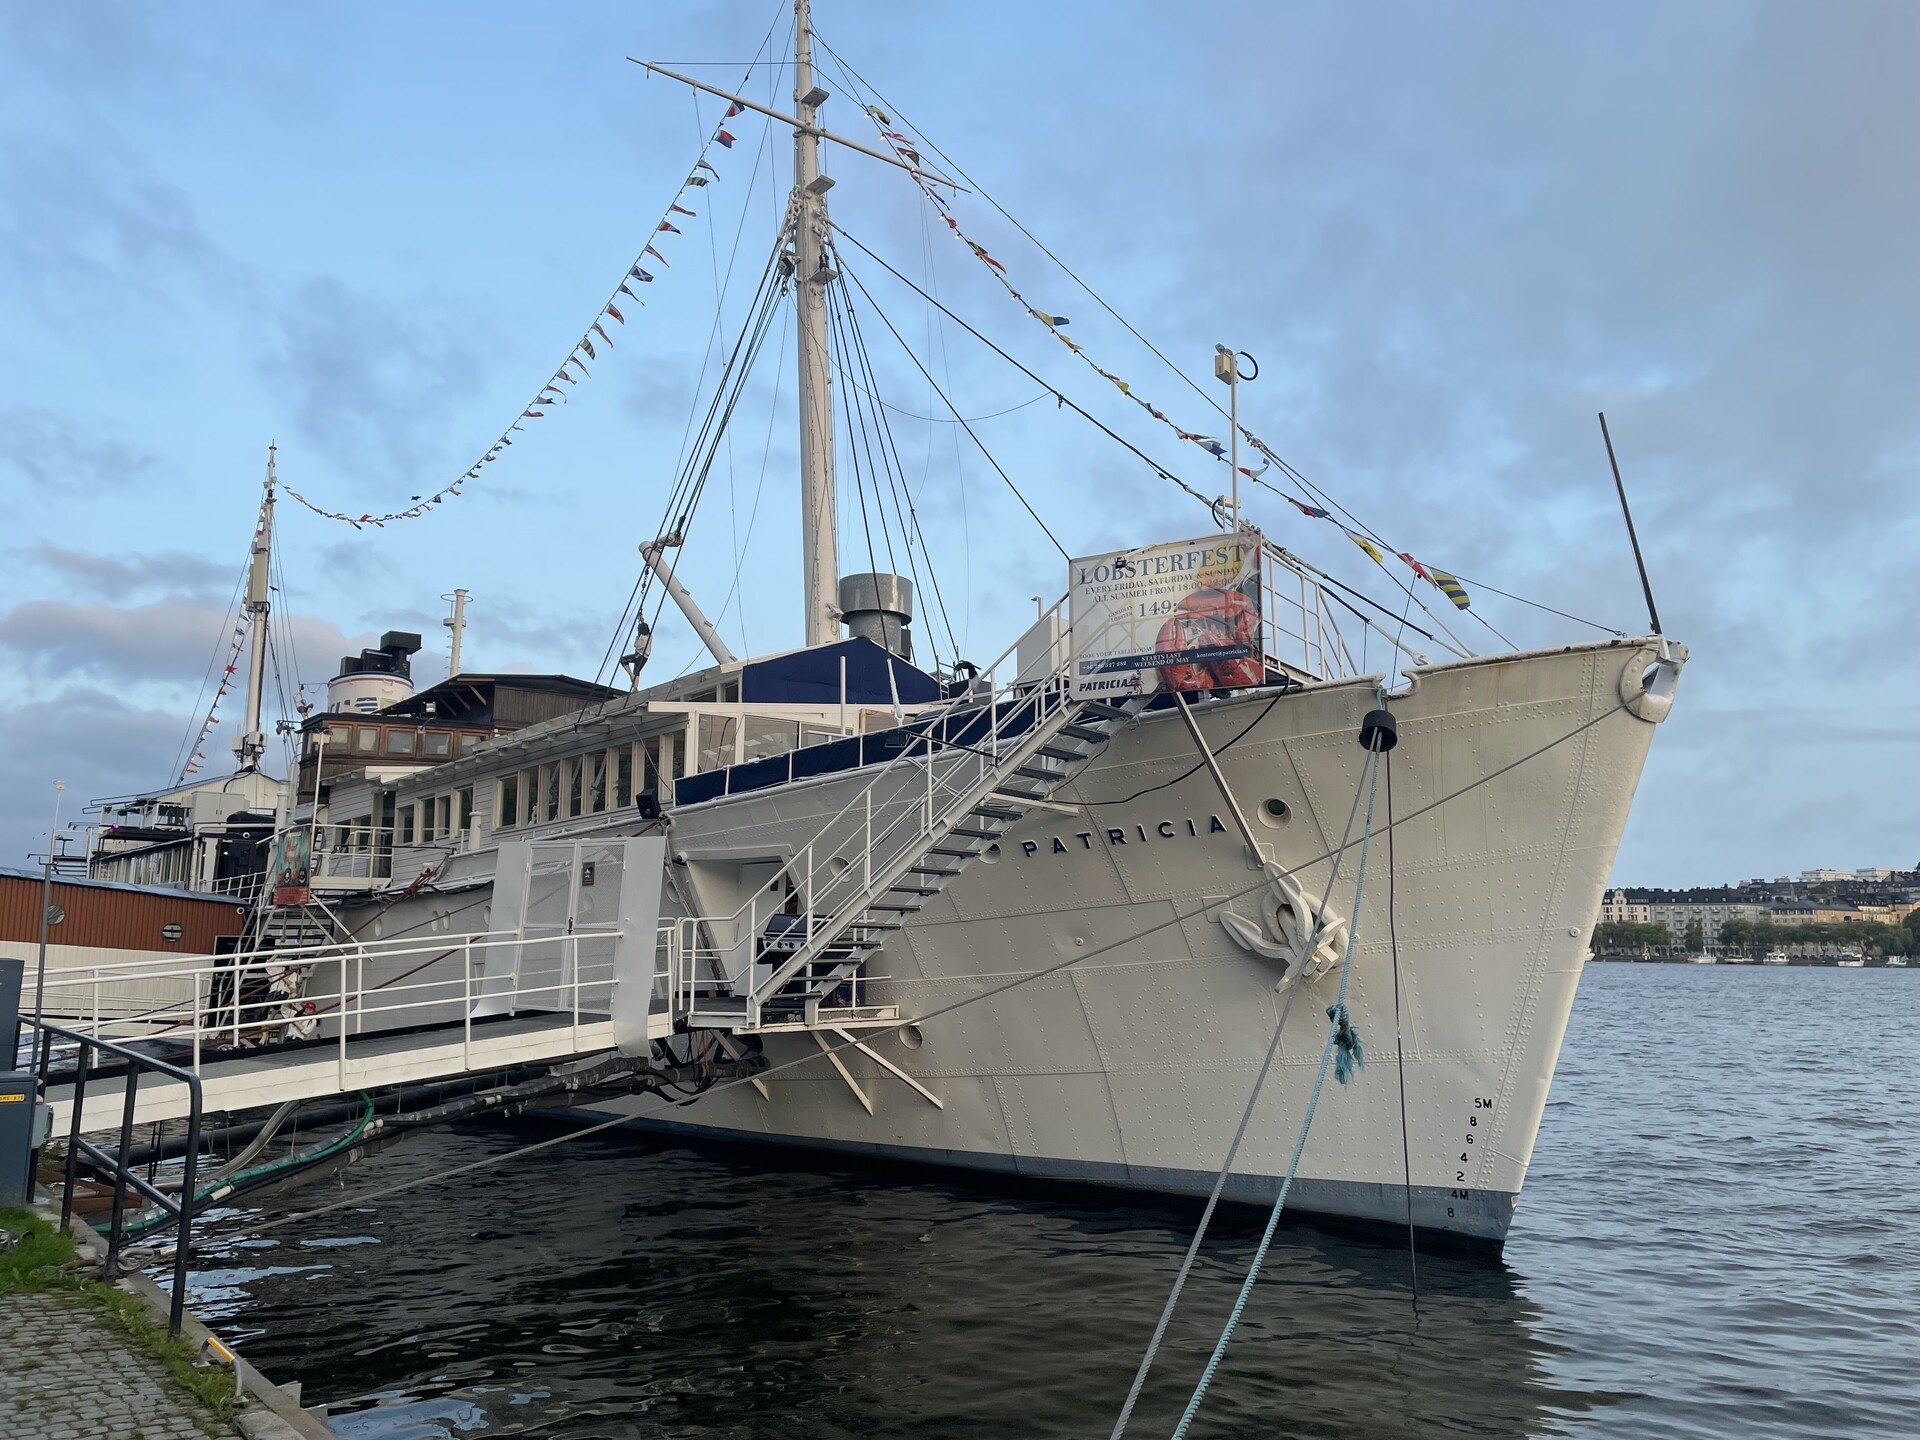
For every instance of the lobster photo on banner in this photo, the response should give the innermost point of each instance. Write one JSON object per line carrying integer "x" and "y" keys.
{"x": 1178, "y": 616}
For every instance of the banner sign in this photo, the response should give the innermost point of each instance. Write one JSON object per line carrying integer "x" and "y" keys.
{"x": 1179, "y": 616}
{"x": 292, "y": 867}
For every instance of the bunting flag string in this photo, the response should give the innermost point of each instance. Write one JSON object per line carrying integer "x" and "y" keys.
{"x": 197, "y": 757}
{"x": 549, "y": 391}
{"x": 904, "y": 149}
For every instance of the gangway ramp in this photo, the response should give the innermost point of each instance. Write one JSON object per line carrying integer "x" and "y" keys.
{"x": 239, "y": 1080}
{"x": 307, "y": 1022}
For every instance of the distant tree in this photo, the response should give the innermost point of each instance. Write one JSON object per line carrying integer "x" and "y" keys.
{"x": 1620, "y": 935}
{"x": 1696, "y": 940}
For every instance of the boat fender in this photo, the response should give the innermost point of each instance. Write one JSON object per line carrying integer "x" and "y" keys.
{"x": 1379, "y": 732}
{"x": 1647, "y": 683}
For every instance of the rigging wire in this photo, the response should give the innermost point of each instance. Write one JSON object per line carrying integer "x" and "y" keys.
{"x": 197, "y": 717}
{"x": 971, "y": 434}
{"x": 859, "y": 83}
{"x": 1158, "y": 469}
{"x": 903, "y": 500}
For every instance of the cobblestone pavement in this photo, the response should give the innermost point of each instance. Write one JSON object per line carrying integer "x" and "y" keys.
{"x": 70, "y": 1373}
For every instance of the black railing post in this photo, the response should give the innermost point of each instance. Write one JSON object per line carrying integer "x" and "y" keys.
{"x": 80, "y": 1068}
{"x": 184, "y": 1233}
{"x": 120, "y": 1174}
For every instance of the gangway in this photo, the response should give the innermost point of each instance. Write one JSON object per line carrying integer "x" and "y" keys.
{"x": 308, "y": 1022}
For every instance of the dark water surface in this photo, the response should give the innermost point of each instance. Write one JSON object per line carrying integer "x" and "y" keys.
{"x": 1720, "y": 1236}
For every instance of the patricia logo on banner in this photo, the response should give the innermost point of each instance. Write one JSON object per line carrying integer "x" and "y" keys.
{"x": 1179, "y": 616}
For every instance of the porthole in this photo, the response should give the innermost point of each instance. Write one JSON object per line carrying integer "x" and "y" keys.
{"x": 838, "y": 866}
{"x": 911, "y": 1038}
{"x": 171, "y": 933}
{"x": 1274, "y": 812}
{"x": 990, "y": 855}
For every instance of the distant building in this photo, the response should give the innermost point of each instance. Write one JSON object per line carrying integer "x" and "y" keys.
{"x": 1891, "y": 913}
{"x": 1873, "y": 872}
{"x": 1818, "y": 877}
{"x": 1617, "y": 909}
{"x": 1837, "y": 914}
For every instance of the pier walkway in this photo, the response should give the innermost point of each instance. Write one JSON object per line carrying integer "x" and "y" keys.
{"x": 73, "y": 1373}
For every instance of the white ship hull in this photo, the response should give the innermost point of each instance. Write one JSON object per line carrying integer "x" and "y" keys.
{"x": 1131, "y": 1067}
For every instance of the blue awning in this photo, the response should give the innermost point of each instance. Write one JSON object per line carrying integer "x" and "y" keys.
{"x": 812, "y": 677}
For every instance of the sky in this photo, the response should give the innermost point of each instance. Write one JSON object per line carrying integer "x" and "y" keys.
{"x": 1449, "y": 234}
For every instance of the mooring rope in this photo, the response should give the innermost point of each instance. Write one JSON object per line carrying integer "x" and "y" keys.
{"x": 1337, "y": 1023}
{"x": 1233, "y": 1150}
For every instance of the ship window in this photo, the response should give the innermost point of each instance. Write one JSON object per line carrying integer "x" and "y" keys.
{"x": 399, "y": 742}
{"x": 406, "y": 825}
{"x": 463, "y": 808}
{"x": 573, "y": 768}
{"x": 427, "y": 832}
{"x": 506, "y": 802}
{"x": 596, "y": 764}
{"x": 439, "y": 744}
{"x": 369, "y": 742}
{"x": 622, "y": 777}
{"x": 650, "y": 763}
{"x": 550, "y": 791}
{"x": 717, "y": 735}
{"x": 765, "y": 737}
{"x": 443, "y": 815}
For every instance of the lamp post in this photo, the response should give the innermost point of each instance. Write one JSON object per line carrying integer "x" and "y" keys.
{"x": 46, "y": 905}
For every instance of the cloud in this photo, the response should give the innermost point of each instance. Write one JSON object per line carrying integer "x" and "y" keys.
{"x": 56, "y": 452}
{"x": 117, "y": 577}
{"x": 372, "y": 381}
{"x": 94, "y": 740}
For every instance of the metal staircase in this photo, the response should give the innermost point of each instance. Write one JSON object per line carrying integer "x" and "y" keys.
{"x": 970, "y": 771}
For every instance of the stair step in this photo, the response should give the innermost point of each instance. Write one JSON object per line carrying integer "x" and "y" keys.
{"x": 913, "y": 909}
{"x": 902, "y": 888}
{"x": 930, "y": 870}
{"x": 998, "y": 812}
{"x": 1106, "y": 711}
{"x": 1084, "y": 732}
{"x": 971, "y": 835}
{"x": 1035, "y": 772}
{"x": 949, "y": 850}
{"x": 1054, "y": 752}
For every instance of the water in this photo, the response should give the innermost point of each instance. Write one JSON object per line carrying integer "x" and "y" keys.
{"x": 1718, "y": 1238}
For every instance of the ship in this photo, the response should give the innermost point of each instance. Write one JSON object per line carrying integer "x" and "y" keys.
{"x": 1038, "y": 917}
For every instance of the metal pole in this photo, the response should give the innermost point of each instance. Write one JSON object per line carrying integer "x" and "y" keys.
{"x": 80, "y": 1069}
{"x": 187, "y": 1179}
{"x": 1646, "y": 588}
{"x": 821, "y": 564}
{"x": 251, "y": 743}
{"x": 112, "y": 1271}
{"x": 46, "y": 906}
{"x": 457, "y": 622}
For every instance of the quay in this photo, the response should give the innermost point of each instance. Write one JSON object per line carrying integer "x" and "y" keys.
{"x": 92, "y": 1361}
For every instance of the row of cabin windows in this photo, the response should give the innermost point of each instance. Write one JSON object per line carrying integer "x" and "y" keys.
{"x": 438, "y": 817}
{"x": 403, "y": 741}
{"x": 597, "y": 783}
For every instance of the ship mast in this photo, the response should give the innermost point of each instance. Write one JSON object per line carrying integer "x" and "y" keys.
{"x": 807, "y": 212}
{"x": 820, "y": 559}
{"x": 251, "y": 743}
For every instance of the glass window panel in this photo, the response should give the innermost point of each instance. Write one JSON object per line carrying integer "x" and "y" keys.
{"x": 623, "y": 777}
{"x": 765, "y": 737}
{"x": 716, "y": 741}
{"x": 506, "y": 811}
{"x": 399, "y": 742}
{"x": 596, "y": 764}
{"x": 439, "y": 744}
{"x": 550, "y": 791}
{"x": 573, "y": 768}
{"x": 369, "y": 741}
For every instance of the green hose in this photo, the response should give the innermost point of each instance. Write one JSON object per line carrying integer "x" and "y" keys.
{"x": 227, "y": 1186}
